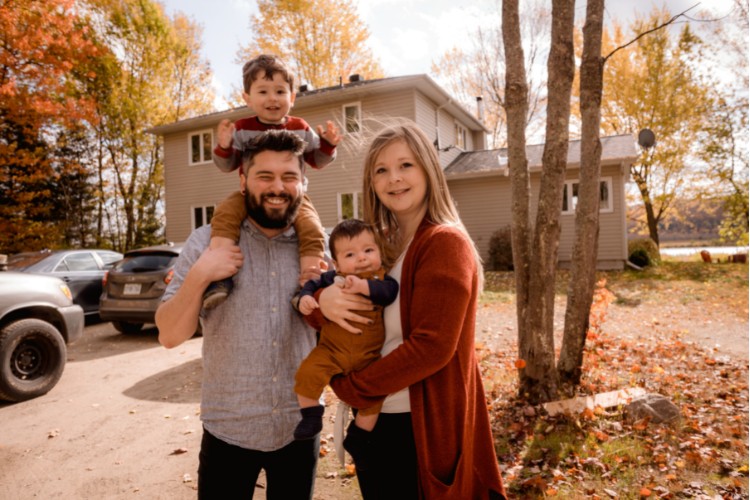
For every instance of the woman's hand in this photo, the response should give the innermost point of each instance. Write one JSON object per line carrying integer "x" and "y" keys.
{"x": 339, "y": 305}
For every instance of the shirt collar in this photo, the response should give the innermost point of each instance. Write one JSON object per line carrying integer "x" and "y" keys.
{"x": 288, "y": 233}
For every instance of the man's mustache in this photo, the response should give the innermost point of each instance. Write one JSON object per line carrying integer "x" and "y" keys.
{"x": 285, "y": 196}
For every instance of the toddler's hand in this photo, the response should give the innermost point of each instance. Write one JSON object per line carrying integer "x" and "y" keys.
{"x": 330, "y": 134}
{"x": 310, "y": 269}
{"x": 224, "y": 133}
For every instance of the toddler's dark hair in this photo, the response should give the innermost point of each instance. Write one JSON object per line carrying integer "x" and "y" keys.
{"x": 270, "y": 65}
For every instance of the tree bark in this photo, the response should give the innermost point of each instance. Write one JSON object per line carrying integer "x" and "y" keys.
{"x": 516, "y": 107}
{"x": 539, "y": 381}
{"x": 652, "y": 220}
{"x": 586, "y": 242}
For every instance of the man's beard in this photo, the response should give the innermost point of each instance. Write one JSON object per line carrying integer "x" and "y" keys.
{"x": 272, "y": 218}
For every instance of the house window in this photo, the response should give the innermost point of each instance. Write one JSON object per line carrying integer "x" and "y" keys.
{"x": 201, "y": 146}
{"x": 202, "y": 215}
{"x": 352, "y": 118}
{"x": 350, "y": 206}
{"x": 570, "y": 196}
{"x": 460, "y": 140}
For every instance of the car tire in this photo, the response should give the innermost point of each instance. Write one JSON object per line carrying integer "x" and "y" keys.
{"x": 127, "y": 327}
{"x": 32, "y": 359}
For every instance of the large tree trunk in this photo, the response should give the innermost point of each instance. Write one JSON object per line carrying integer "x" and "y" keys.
{"x": 516, "y": 107}
{"x": 586, "y": 243}
{"x": 539, "y": 380}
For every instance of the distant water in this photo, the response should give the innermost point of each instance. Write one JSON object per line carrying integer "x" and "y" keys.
{"x": 679, "y": 252}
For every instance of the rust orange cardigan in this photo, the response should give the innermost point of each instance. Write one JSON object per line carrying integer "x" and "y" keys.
{"x": 437, "y": 361}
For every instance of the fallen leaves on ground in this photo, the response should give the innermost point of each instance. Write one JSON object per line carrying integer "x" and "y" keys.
{"x": 600, "y": 454}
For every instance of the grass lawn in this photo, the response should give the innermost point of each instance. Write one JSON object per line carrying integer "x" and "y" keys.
{"x": 601, "y": 454}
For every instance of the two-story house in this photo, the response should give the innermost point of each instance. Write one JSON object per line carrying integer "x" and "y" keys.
{"x": 477, "y": 177}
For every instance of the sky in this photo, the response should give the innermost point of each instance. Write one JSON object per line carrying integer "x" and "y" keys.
{"x": 406, "y": 36}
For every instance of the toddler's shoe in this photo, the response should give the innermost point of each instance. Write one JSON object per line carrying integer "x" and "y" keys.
{"x": 217, "y": 292}
{"x": 311, "y": 423}
{"x": 358, "y": 443}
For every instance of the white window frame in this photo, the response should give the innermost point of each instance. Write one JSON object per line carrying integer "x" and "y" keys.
{"x": 358, "y": 107}
{"x": 200, "y": 134}
{"x": 204, "y": 213}
{"x": 356, "y": 201}
{"x": 461, "y": 136}
{"x": 568, "y": 192}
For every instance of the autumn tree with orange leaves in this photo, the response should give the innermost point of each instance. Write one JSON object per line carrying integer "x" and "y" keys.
{"x": 44, "y": 55}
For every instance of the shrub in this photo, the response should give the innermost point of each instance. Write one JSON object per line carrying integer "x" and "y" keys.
{"x": 643, "y": 252}
{"x": 501, "y": 250}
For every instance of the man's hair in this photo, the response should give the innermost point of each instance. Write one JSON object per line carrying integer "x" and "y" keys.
{"x": 282, "y": 141}
{"x": 270, "y": 65}
{"x": 348, "y": 228}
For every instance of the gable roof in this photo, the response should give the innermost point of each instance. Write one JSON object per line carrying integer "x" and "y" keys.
{"x": 353, "y": 90}
{"x": 615, "y": 149}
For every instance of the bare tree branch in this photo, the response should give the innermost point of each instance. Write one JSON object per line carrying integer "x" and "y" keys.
{"x": 657, "y": 28}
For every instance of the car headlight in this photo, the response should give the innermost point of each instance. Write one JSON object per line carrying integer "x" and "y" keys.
{"x": 66, "y": 291}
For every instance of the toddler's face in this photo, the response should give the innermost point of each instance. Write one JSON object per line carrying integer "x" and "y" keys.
{"x": 357, "y": 255}
{"x": 271, "y": 99}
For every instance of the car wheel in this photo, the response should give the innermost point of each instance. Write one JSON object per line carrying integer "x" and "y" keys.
{"x": 127, "y": 327}
{"x": 32, "y": 358}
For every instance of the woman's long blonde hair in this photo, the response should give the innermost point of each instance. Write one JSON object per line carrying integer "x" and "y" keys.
{"x": 440, "y": 206}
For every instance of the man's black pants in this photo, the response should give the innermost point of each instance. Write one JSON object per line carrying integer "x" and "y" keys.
{"x": 226, "y": 471}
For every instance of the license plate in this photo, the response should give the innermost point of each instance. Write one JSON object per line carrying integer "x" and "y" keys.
{"x": 132, "y": 289}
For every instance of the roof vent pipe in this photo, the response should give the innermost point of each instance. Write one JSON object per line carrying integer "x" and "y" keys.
{"x": 480, "y": 109}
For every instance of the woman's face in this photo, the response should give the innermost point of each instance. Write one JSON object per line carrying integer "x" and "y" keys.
{"x": 400, "y": 181}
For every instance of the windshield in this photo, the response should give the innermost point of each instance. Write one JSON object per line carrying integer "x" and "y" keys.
{"x": 139, "y": 263}
{"x": 23, "y": 261}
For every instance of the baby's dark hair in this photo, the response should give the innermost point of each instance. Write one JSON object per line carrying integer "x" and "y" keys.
{"x": 270, "y": 65}
{"x": 348, "y": 228}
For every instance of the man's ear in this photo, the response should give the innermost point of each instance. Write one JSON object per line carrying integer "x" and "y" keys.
{"x": 243, "y": 183}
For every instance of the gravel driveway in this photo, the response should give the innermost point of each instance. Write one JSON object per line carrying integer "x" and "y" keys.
{"x": 124, "y": 420}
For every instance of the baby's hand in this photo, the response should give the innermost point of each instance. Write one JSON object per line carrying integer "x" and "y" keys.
{"x": 307, "y": 304}
{"x": 224, "y": 132}
{"x": 330, "y": 134}
{"x": 355, "y": 284}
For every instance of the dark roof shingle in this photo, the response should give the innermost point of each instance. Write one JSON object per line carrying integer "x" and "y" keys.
{"x": 616, "y": 148}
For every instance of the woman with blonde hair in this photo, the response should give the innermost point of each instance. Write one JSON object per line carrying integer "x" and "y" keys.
{"x": 433, "y": 438}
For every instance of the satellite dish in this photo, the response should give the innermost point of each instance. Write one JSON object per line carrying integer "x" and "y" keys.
{"x": 646, "y": 138}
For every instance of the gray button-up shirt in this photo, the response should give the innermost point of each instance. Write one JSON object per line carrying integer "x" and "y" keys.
{"x": 252, "y": 343}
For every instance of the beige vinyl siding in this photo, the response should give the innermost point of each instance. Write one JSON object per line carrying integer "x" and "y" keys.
{"x": 484, "y": 206}
{"x": 190, "y": 186}
{"x": 611, "y": 229}
{"x": 424, "y": 114}
{"x": 426, "y": 110}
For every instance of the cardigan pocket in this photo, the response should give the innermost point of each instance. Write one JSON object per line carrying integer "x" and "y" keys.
{"x": 450, "y": 486}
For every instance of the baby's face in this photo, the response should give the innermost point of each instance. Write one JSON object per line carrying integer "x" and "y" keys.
{"x": 357, "y": 255}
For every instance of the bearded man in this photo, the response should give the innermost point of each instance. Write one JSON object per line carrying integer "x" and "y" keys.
{"x": 254, "y": 341}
